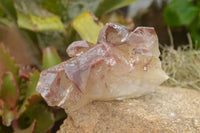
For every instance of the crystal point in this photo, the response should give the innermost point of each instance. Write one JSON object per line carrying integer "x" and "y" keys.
{"x": 77, "y": 48}
{"x": 113, "y": 34}
{"x": 122, "y": 64}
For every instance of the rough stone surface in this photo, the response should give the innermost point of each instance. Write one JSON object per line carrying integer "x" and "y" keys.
{"x": 167, "y": 110}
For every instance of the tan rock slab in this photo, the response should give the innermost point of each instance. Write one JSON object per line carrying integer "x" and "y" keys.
{"x": 167, "y": 110}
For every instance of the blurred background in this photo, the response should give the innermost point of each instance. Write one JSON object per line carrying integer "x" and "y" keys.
{"x": 34, "y": 35}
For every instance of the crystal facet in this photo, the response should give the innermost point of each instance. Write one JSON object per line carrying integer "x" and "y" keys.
{"x": 123, "y": 64}
{"x": 77, "y": 48}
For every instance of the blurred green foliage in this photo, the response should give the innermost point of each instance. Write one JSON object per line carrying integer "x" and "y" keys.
{"x": 46, "y": 26}
{"x": 185, "y": 13}
{"x": 86, "y": 27}
{"x": 50, "y": 57}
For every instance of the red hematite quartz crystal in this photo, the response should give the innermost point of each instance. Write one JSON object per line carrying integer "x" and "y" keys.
{"x": 123, "y": 64}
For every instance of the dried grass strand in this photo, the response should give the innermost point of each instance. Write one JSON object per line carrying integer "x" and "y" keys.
{"x": 182, "y": 66}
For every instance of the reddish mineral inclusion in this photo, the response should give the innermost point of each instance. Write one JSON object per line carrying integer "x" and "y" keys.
{"x": 123, "y": 64}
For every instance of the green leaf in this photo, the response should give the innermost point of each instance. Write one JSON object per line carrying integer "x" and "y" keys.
{"x": 30, "y": 129}
{"x": 78, "y": 6}
{"x": 52, "y": 38}
{"x": 6, "y": 22}
{"x": 68, "y": 9}
{"x": 31, "y": 96}
{"x": 60, "y": 114}
{"x": 110, "y": 5}
{"x": 9, "y": 95}
{"x": 71, "y": 36}
{"x": 9, "y": 92}
{"x": 32, "y": 83}
{"x": 194, "y": 29}
{"x": 8, "y": 113}
{"x": 7, "y": 6}
{"x": 180, "y": 12}
{"x": 7, "y": 63}
{"x": 33, "y": 17}
{"x": 57, "y": 7}
{"x": 86, "y": 26}
{"x": 39, "y": 112}
{"x": 2, "y": 13}
{"x": 50, "y": 57}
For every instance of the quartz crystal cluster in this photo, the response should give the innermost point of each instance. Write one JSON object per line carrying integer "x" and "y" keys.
{"x": 123, "y": 64}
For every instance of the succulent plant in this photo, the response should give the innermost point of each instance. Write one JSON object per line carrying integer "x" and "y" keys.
{"x": 42, "y": 28}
